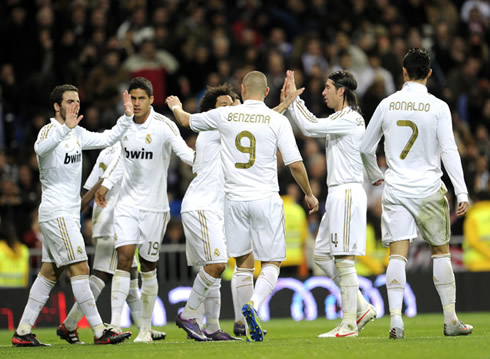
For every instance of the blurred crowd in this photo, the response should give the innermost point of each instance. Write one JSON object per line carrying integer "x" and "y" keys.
{"x": 183, "y": 46}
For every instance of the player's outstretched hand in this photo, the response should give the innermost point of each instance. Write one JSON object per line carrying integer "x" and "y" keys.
{"x": 128, "y": 105}
{"x": 173, "y": 101}
{"x": 462, "y": 208}
{"x": 100, "y": 196}
{"x": 312, "y": 203}
{"x": 72, "y": 119}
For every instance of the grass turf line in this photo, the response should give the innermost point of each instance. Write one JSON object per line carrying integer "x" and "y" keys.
{"x": 285, "y": 339}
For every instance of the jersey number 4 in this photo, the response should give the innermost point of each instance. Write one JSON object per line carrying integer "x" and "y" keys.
{"x": 411, "y": 140}
{"x": 250, "y": 150}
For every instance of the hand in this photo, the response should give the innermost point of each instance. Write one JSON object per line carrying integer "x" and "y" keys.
{"x": 173, "y": 101}
{"x": 312, "y": 203}
{"x": 128, "y": 104}
{"x": 291, "y": 97}
{"x": 378, "y": 182}
{"x": 462, "y": 208}
{"x": 100, "y": 196}
{"x": 71, "y": 119}
{"x": 291, "y": 84}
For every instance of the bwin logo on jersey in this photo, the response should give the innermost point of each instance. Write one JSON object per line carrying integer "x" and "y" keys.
{"x": 144, "y": 155}
{"x": 77, "y": 157}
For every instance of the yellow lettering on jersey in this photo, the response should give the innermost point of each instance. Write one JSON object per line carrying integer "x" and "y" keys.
{"x": 409, "y": 106}
{"x": 248, "y": 118}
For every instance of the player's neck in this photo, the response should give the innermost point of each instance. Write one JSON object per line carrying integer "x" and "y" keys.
{"x": 142, "y": 119}
{"x": 60, "y": 119}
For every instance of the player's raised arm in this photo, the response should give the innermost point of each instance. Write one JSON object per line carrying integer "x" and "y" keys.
{"x": 175, "y": 105}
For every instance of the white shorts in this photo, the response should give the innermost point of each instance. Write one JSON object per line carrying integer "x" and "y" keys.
{"x": 63, "y": 242}
{"x": 402, "y": 216}
{"x": 143, "y": 228}
{"x": 204, "y": 238}
{"x": 256, "y": 226}
{"x": 105, "y": 259}
{"x": 342, "y": 230}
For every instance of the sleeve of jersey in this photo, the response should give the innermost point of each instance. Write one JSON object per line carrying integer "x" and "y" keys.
{"x": 185, "y": 153}
{"x": 115, "y": 171}
{"x": 370, "y": 141}
{"x": 49, "y": 137}
{"x": 312, "y": 127}
{"x": 450, "y": 155}
{"x": 93, "y": 140}
{"x": 287, "y": 143}
{"x": 204, "y": 121}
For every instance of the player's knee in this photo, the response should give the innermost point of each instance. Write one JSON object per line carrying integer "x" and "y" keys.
{"x": 215, "y": 270}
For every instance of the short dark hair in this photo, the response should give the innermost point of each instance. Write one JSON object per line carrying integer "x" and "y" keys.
{"x": 417, "y": 63}
{"x": 141, "y": 83}
{"x": 56, "y": 95}
{"x": 346, "y": 80}
{"x": 208, "y": 101}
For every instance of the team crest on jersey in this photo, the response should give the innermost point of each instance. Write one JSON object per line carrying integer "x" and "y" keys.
{"x": 115, "y": 236}
{"x": 216, "y": 252}
{"x": 148, "y": 138}
{"x": 79, "y": 250}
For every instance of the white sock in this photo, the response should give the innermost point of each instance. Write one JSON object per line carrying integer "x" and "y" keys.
{"x": 82, "y": 293}
{"x": 395, "y": 285}
{"x": 445, "y": 283}
{"x": 327, "y": 265}
{"x": 234, "y": 295}
{"x": 75, "y": 314}
{"x": 349, "y": 287}
{"x": 265, "y": 284}
{"x": 362, "y": 304}
{"x": 212, "y": 305}
{"x": 38, "y": 296}
{"x": 202, "y": 283}
{"x": 134, "y": 302}
{"x": 119, "y": 293}
{"x": 149, "y": 292}
{"x": 244, "y": 287}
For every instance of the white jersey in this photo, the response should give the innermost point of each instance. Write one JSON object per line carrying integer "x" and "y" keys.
{"x": 205, "y": 192}
{"x": 103, "y": 218}
{"x": 418, "y": 133}
{"x": 250, "y": 135}
{"x": 145, "y": 151}
{"x": 343, "y": 131}
{"x": 59, "y": 155}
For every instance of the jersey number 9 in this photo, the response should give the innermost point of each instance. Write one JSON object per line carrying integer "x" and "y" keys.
{"x": 250, "y": 150}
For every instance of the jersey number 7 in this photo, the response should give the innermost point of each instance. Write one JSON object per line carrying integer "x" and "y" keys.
{"x": 411, "y": 140}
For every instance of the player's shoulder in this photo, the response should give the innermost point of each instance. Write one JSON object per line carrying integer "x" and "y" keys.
{"x": 44, "y": 131}
{"x": 165, "y": 123}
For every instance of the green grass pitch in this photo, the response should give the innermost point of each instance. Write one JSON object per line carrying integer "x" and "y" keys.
{"x": 285, "y": 339}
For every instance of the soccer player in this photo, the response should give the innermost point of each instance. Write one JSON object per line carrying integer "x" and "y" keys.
{"x": 105, "y": 259}
{"x": 418, "y": 134}
{"x": 202, "y": 219}
{"x": 342, "y": 233}
{"x": 59, "y": 148}
{"x": 250, "y": 135}
{"x": 142, "y": 210}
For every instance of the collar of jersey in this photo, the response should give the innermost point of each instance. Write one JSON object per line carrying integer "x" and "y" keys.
{"x": 146, "y": 124}
{"x": 253, "y": 102}
{"x": 415, "y": 86}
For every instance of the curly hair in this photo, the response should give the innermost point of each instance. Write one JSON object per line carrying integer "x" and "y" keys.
{"x": 208, "y": 101}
